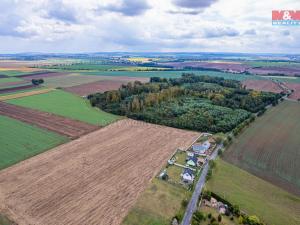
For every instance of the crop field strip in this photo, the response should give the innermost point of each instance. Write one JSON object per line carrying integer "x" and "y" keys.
{"x": 94, "y": 87}
{"x": 20, "y": 141}
{"x": 17, "y": 88}
{"x": 24, "y": 94}
{"x": 92, "y": 180}
{"x": 269, "y": 148}
{"x": 67, "y": 105}
{"x": 58, "y": 124}
{"x": 254, "y": 195}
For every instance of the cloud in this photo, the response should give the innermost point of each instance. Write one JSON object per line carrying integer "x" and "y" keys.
{"x": 250, "y": 32}
{"x": 194, "y": 3}
{"x": 60, "y": 11}
{"x": 128, "y": 7}
{"x": 187, "y": 12}
{"x": 220, "y": 32}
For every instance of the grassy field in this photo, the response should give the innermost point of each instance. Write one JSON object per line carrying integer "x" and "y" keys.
{"x": 5, "y": 221}
{"x": 157, "y": 205}
{"x": 254, "y": 195}
{"x": 9, "y": 79}
{"x": 173, "y": 74}
{"x": 20, "y": 141}
{"x": 66, "y": 104}
{"x": 269, "y": 148}
{"x": 13, "y": 73}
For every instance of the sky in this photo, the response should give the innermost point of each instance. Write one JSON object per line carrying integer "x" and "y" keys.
{"x": 74, "y": 26}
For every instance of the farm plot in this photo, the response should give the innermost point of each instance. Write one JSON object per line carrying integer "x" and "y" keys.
{"x": 98, "y": 86}
{"x": 92, "y": 180}
{"x": 67, "y": 105}
{"x": 269, "y": 148}
{"x": 23, "y": 93}
{"x": 262, "y": 85}
{"x": 296, "y": 90}
{"x": 44, "y": 74}
{"x": 17, "y": 88}
{"x": 254, "y": 195}
{"x": 58, "y": 124}
{"x": 70, "y": 80}
{"x": 20, "y": 141}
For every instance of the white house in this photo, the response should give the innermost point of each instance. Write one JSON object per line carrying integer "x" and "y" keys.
{"x": 188, "y": 176}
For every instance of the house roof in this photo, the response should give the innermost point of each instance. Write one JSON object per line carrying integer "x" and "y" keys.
{"x": 188, "y": 171}
{"x": 193, "y": 158}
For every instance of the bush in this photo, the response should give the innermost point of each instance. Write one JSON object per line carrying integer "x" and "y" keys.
{"x": 219, "y": 218}
{"x": 209, "y": 216}
{"x": 184, "y": 203}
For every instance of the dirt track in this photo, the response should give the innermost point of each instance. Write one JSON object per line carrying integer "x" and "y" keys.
{"x": 92, "y": 180}
{"x": 58, "y": 124}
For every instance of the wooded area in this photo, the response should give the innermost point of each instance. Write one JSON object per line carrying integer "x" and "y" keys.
{"x": 201, "y": 103}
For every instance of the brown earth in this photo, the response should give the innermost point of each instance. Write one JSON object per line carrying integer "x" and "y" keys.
{"x": 58, "y": 124}
{"x": 94, "y": 87}
{"x": 262, "y": 85}
{"x": 95, "y": 179}
{"x": 8, "y": 84}
{"x": 18, "y": 88}
{"x": 296, "y": 87}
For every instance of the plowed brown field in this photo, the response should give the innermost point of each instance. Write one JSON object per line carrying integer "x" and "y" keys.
{"x": 262, "y": 85}
{"x": 58, "y": 124}
{"x": 92, "y": 180}
{"x": 98, "y": 86}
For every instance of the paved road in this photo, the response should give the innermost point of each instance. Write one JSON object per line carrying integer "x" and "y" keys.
{"x": 192, "y": 206}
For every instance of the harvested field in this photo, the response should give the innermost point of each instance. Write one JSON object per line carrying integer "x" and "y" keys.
{"x": 262, "y": 85}
{"x": 269, "y": 148}
{"x": 24, "y": 94}
{"x": 58, "y": 124}
{"x": 98, "y": 86}
{"x": 296, "y": 87}
{"x": 17, "y": 88}
{"x": 70, "y": 80}
{"x": 92, "y": 180}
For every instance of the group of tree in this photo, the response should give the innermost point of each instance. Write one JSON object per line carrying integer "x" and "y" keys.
{"x": 202, "y": 103}
{"x": 37, "y": 81}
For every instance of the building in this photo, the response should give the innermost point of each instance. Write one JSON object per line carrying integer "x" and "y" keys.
{"x": 192, "y": 161}
{"x": 188, "y": 176}
{"x": 201, "y": 149}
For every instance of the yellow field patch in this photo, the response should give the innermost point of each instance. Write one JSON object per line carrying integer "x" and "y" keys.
{"x": 25, "y": 94}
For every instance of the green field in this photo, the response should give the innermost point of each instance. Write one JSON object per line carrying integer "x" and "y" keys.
{"x": 254, "y": 195}
{"x": 66, "y": 104}
{"x": 5, "y": 221}
{"x": 174, "y": 74}
{"x": 20, "y": 141}
{"x": 157, "y": 205}
{"x": 269, "y": 148}
{"x": 13, "y": 73}
{"x": 9, "y": 79}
